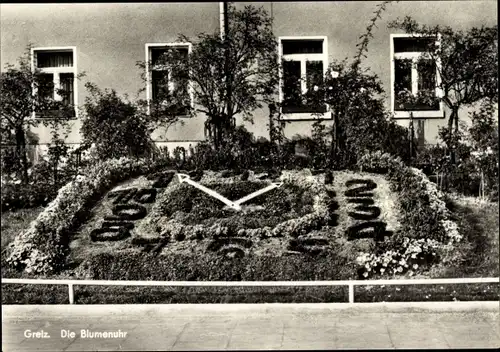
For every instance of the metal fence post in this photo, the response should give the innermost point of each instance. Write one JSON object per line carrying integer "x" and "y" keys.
{"x": 71, "y": 294}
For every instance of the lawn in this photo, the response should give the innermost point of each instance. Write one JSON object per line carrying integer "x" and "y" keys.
{"x": 15, "y": 221}
{"x": 479, "y": 255}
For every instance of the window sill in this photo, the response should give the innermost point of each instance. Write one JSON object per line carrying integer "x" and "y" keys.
{"x": 306, "y": 116}
{"x": 429, "y": 114}
{"x": 51, "y": 116}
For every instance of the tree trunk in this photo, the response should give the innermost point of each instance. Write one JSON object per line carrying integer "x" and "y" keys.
{"x": 21, "y": 153}
{"x": 451, "y": 133}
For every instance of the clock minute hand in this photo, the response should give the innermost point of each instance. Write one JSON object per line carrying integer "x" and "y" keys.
{"x": 258, "y": 193}
{"x": 211, "y": 192}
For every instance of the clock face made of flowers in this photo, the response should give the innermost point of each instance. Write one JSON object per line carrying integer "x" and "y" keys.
{"x": 236, "y": 205}
{"x": 291, "y": 214}
{"x": 263, "y": 211}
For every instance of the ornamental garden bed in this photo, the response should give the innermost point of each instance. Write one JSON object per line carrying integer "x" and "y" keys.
{"x": 304, "y": 220}
{"x": 389, "y": 221}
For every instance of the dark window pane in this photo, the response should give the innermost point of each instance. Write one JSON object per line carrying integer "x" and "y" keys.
{"x": 410, "y": 44}
{"x": 159, "y": 83}
{"x": 402, "y": 83}
{"x": 426, "y": 75}
{"x": 314, "y": 74}
{"x": 178, "y": 75}
{"x": 427, "y": 86}
{"x": 314, "y": 78}
{"x": 55, "y": 59}
{"x": 45, "y": 94}
{"x": 302, "y": 46}
{"x": 46, "y": 86}
{"x": 157, "y": 54}
{"x": 67, "y": 87}
{"x": 292, "y": 95}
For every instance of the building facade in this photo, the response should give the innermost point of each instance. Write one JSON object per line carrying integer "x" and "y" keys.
{"x": 107, "y": 40}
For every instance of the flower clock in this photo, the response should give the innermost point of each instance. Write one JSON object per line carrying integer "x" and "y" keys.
{"x": 234, "y": 217}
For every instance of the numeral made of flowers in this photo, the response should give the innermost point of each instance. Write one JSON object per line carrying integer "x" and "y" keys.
{"x": 365, "y": 211}
{"x": 109, "y": 234}
{"x": 308, "y": 245}
{"x": 117, "y": 226}
{"x": 361, "y": 191}
{"x": 145, "y": 195}
{"x": 127, "y": 212}
{"x": 371, "y": 229}
{"x": 123, "y": 195}
{"x": 333, "y": 206}
{"x": 370, "y": 212}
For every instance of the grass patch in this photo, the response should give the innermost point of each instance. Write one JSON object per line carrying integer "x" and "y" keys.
{"x": 133, "y": 295}
{"x": 15, "y": 221}
{"x": 428, "y": 293}
{"x": 478, "y": 253}
{"x": 43, "y": 294}
{"x": 34, "y": 294}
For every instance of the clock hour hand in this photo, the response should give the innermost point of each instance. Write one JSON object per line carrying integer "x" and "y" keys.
{"x": 258, "y": 193}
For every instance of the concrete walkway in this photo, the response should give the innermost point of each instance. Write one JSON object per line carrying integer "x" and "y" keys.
{"x": 253, "y": 326}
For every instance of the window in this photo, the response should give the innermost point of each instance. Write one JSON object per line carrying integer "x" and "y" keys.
{"x": 305, "y": 61}
{"x": 166, "y": 84}
{"x": 414, "y": 77}
{"x": 57, "y": 67}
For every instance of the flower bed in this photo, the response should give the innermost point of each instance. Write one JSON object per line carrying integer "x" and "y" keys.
{"x": 43, "y": 247}
{"x": 427, "y": 231}
{"x": 393, "y": 224}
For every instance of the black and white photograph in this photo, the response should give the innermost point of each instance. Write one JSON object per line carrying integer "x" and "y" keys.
{"x": 287, "y": 175}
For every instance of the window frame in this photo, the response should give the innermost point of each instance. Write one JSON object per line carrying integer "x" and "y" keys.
{"x": 303, "y": 58}
{"x": 56, "y": 72}
{"x": 414, "y": 56}
{"x": 149, "y": 47}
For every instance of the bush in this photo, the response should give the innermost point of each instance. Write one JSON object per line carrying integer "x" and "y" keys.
{"x": 40, "y": 190}
{"x": 115, "y": 127}
{"x": 21, "y": 196}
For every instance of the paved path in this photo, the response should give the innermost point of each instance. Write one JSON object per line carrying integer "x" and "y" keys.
{"x": 264, "y": 326}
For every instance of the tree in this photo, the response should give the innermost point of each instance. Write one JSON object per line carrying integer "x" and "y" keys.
{"x": 357, "y": 102}
{"x": 19, "y": 87}
{"x": 361, "y": 122}
{"x": 466, "y": 63}
{"x": 115, "y": 126}
{"x": 228, "y": 75}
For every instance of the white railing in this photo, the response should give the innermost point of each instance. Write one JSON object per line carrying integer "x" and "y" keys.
{"x": 349, "y": 283}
